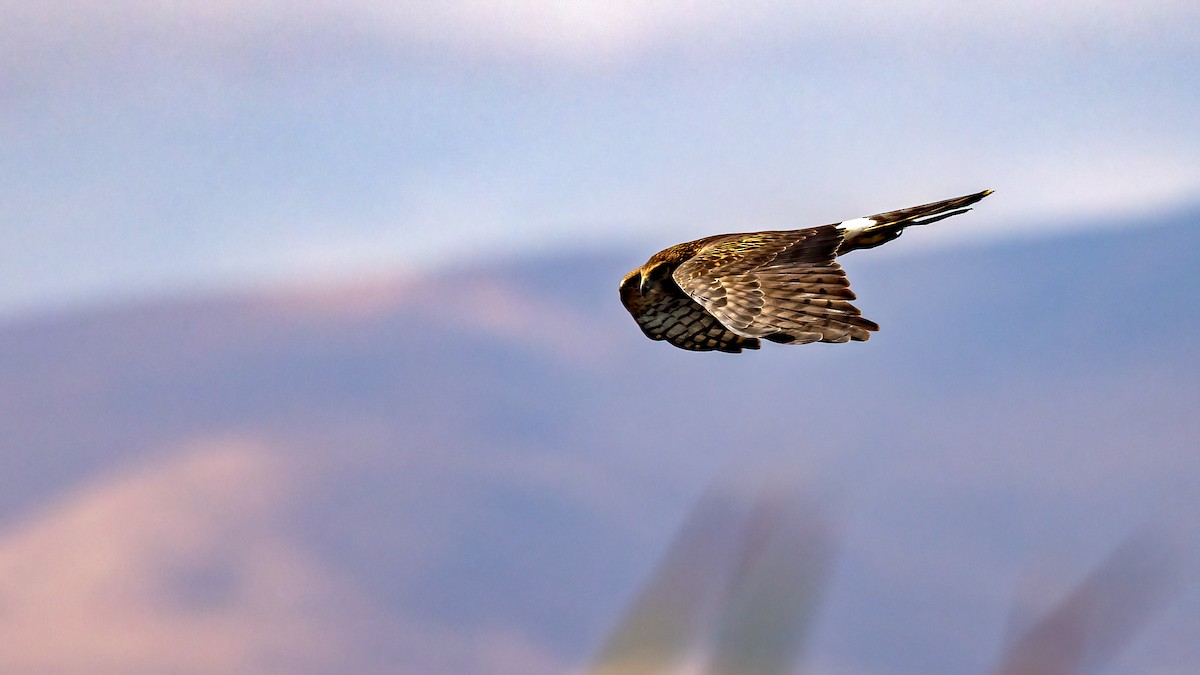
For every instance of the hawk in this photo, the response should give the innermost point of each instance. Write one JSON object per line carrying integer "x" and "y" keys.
{"x": 729, "y": 291}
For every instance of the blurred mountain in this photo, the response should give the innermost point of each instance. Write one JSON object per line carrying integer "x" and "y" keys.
{"x": 473, "y": 472}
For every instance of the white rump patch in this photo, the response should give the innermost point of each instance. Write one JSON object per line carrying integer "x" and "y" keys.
{"x": 857, "y": 225}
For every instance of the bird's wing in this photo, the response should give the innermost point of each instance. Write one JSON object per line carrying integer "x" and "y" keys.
{"x": 681, "y": 321}
{"x": 781, "y": 286}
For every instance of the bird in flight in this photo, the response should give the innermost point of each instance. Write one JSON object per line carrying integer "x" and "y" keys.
{"x": 729, "y": 291}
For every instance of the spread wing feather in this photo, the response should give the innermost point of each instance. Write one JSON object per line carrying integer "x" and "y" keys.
{"x": 781, "y": 286}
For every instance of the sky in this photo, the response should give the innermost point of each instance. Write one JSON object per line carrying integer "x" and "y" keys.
{"x": 154, "y": 149}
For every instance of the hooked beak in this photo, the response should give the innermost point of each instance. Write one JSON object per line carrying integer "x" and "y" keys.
{"x": 643, "y": 284}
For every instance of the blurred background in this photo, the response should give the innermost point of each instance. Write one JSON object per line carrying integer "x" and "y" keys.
{"x": 312, "y": 358}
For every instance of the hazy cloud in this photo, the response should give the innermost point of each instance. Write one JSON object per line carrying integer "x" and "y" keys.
{"x": 588, "y": 30}
{"x": 156, "y": 147}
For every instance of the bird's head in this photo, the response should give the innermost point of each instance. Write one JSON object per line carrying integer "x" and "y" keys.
{"x": 632, "y": 279}
{"x": 639, "y": 281}
{"x": 649, "y": 274}
{"x": 631, "y": 285}
{"x": 657, "y": 270}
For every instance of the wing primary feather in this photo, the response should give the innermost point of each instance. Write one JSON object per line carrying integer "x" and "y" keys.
{"x": 780, "y": 286}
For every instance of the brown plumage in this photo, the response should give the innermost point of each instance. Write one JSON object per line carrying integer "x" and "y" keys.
{"x": 728, "y": 291}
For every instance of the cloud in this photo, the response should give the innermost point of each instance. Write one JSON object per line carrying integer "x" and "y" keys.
{"x": 587, "y": 31}
{"x": 160, "y": 147}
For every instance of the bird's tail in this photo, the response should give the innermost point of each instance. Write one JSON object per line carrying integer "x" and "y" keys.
{"x": 881, "y": 228}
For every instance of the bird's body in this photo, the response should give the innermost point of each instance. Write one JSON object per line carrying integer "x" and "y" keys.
{"x": 729, "y": 291}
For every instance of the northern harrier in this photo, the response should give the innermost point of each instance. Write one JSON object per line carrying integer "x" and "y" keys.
{"x": 727, "y": 291}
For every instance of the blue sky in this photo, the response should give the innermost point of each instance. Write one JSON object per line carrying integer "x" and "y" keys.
{"x": 155, "y": 149}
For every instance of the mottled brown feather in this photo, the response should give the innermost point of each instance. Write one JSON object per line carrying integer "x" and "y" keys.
{"x": 679, "y": 320}
{"x": 784, "y": 286}
{"x": 728, "y": 291}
